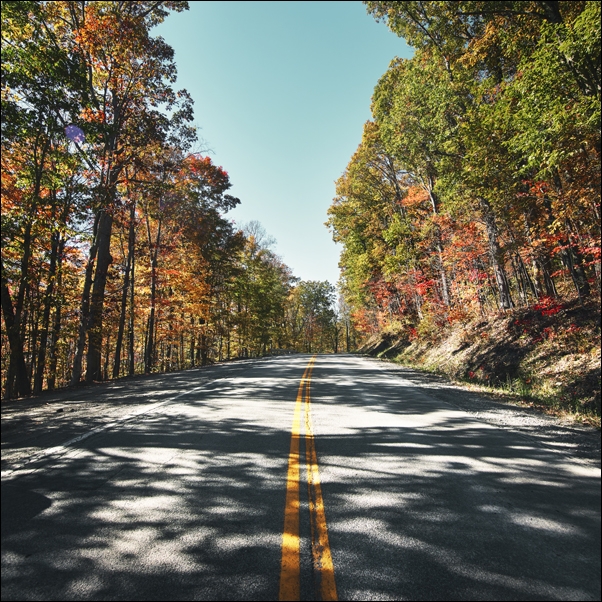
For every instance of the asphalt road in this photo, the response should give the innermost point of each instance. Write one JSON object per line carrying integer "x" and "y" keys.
{"x": 174, "y": 487}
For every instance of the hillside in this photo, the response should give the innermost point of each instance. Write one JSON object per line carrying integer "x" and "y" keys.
{"x": 546, "y": 356}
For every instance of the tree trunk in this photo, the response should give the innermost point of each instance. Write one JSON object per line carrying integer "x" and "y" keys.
{"x": 573, "y": 262}
{"x": 149, "y": 353}
{"x": 104, "y": 259}
{"x": 528, "y": 281}
{"x": 496, "y": 255}
{"x": 439, "y": 246}
{"x": 84, "y": 310}
{"x": 13, "y": 314}
{"x": 41, "y": 363}
{"x": 22, "y": 385}
{"x": 24, "y": 279}
{"x": 124, "y": 295}
{"x": 56, "y": 326}
{"x": 131, "y": 350}
{"x": 203, "y": 348}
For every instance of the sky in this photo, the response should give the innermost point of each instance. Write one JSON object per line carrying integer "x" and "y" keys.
{"x": 282, "y": 91}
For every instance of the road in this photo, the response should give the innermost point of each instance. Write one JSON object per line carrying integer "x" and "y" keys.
{"x": 194, "y": 486}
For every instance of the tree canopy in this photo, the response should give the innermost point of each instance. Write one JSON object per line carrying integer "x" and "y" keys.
{"x": 117, "y": 254}
{"x": 476, "y": 187}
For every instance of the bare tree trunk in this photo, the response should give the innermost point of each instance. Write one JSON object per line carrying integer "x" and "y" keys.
{"x": 192, "y": 338}
{"x": 41, "y": 363}
{"x": 105, "y": 370}
{"x": 53, "y": 352}
{"x": 104, "y": 260}
{"x": 439, "y": 246}
{"x": 31, "y": 315}
{"x": 15, "y": 313}
{"x": 19, "y": 375}
{"x": 203, "y": 348}
{"x": 131, "y": 350}
{"x": 150, "y": 338}
{"x": 496, "y": 255}
{"x": 56, "y": 326}
{"x": 84, "y": 310}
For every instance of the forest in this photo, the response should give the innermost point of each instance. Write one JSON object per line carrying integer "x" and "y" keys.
{"x": 474, "y": 195}
{"x": 475, "y": 190}
{"x": 117, "y": 254}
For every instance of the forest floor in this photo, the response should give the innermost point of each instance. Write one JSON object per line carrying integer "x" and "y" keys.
{"x": 546, "y": 357}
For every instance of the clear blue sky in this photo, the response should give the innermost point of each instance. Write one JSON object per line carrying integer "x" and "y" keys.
{"x": 281, "y": 91}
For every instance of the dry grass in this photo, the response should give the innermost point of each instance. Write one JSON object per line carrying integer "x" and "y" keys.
{"x": 548, "y": 358}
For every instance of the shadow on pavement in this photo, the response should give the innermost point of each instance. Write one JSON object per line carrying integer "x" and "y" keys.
{"x": 421, "y": 503}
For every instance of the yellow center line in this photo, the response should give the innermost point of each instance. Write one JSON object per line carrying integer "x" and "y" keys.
{"x": 290, "y": 576}
{"x": 320, "y": 547}
{"x": 290, "y": 566}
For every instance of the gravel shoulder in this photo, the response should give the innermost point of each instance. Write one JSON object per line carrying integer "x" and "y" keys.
{"x": 580, "y": 441}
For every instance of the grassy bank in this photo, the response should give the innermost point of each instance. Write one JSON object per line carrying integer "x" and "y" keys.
{"x": 546, "y": 356}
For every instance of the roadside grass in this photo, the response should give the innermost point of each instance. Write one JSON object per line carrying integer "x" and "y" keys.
{"x": 542, "y": 358}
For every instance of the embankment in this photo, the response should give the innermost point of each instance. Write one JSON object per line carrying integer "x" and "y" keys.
{"x": 546, "y": 355}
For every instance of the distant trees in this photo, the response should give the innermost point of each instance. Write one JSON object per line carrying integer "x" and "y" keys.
{"x": 313, "y": 320}
{"x": 477, "y": 184}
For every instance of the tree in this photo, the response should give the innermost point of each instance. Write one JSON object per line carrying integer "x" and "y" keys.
{"x": 318, "y": 319}
{"x": 260, "y": 293}
{"x": 494, "y": 130}
{"x": 128, "y": 98}
{"x": 39, "y": 84}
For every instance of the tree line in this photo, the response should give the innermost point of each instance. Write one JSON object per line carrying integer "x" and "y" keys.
{"x": 476, "y": 186}
{"x": 117, "y": 255}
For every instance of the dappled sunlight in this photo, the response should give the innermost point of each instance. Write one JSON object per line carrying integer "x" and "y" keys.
{"x": 446, "y": 496}
{"x": 191, "y": 484}
{"x": 545, "y": 523}
{"x": 418, "y": 496}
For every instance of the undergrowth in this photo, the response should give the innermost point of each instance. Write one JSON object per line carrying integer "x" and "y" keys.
{"x": 545, "y": 357}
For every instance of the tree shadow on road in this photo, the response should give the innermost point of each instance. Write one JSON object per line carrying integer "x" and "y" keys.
{"x": 420, "y": 502}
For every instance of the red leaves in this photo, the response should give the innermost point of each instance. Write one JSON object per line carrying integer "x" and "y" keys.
{"x": 422, "y": 288}
{"x": 203, "y": 167}
{"x": 548, "y": 306}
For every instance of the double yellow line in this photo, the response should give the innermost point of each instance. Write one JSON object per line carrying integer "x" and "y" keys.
{"x": 290, "y": 576}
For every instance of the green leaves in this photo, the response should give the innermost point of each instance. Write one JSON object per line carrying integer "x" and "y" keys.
{"x": 494, "y": 129}
{"x": 556, "y": 97}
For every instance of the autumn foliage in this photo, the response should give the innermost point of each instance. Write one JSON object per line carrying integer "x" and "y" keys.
{"x": 476, "y": 187}
{"x": 117, "y": 256}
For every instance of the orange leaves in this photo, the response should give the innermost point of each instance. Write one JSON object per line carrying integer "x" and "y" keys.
{"x": 92, "y": 115}
{"x": 415, "y": 197}
{"x": 101, "y": 31}
{"x": 537, "y": 188}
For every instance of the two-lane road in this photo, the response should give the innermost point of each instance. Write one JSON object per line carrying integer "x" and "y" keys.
{"x": 289, "y": 477}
